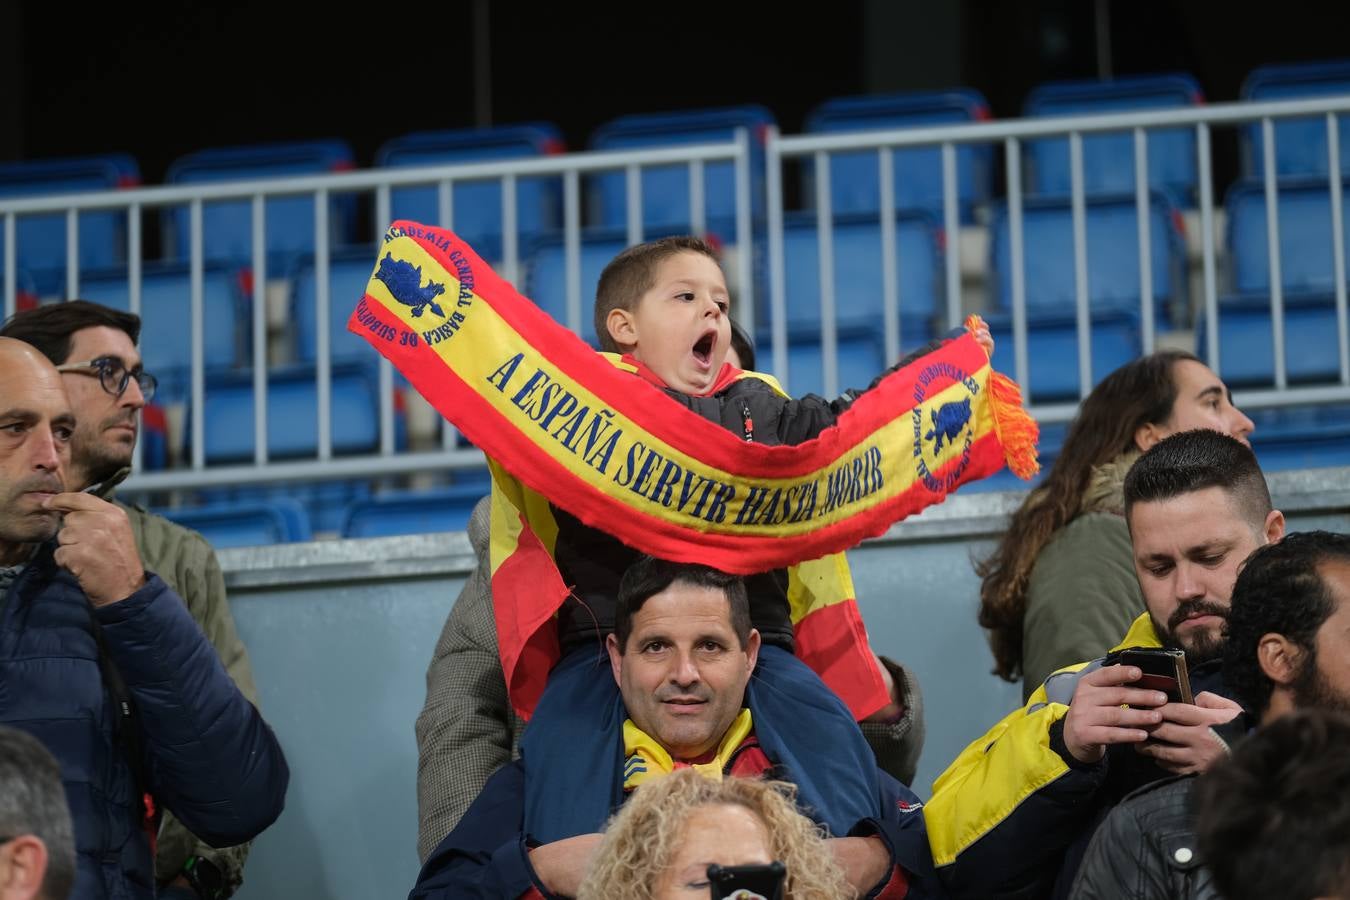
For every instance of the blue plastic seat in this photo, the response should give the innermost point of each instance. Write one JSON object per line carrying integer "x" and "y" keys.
{"x": 1246, "y": 351}
{"x": 348, "y": 275}
{"x": 860, "y": 354}
{"x": 40, "y": 240}
{"x": 1300, "y": 144}
{"x": 858, "y": 272}
{"x": 166, "y": 318}
{"x": 292, "y": 415}
{"x": 1301, "y": 437}
{"x": 1112, "y": 255}
{"x": 477, "y": 205}
{"x": 227, "y": 225}
{"x": 325, "y": 502}
{"x": 278, "y": 521}
{"x": 1108, "y": 158}
{"x": 546, "y": 275}
{"x": 1052, "y": 350}
{"x": 854, "y": 177}
{"x": 1306, "y": 247}
{"x": 665, "y": 189}
{"x": 413, "y": 512}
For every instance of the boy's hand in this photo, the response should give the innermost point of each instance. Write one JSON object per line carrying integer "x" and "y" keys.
{"x": 985, "y": 340}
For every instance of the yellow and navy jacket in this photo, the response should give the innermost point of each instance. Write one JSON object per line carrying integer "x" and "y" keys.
{"x": 1012, "y": 815}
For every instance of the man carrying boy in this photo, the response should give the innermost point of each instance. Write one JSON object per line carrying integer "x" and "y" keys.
{"x": 664, "y": 307}
{"x": 681, "y": 658}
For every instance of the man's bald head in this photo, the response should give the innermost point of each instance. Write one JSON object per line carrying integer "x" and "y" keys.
{"x": 18, "y": 353}
{"x": 36, "y": 426}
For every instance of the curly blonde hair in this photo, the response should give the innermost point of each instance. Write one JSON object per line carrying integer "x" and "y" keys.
{"x": 640, "y": 840}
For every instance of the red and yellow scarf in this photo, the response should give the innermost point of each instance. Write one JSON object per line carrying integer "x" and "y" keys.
{"x": 561, "y": 424}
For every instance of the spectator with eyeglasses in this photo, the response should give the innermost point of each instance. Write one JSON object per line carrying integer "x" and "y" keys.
{"x": 94, "y": 349}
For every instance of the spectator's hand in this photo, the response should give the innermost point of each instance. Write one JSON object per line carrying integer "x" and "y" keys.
{"x": 1098, "y": 715}
{"x": 893, "y": 711}
{"x": 865, "y": 861}
{"x": 97, "y": 547}
{"x": 1185, "y": 742}
{"x": 562, "y": 865}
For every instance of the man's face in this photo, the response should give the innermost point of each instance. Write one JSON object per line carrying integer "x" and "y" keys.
{"x": 1324, "y": 682}
{"x": 1187, "y": 551}
{"x": 1203, "y": 401}
{"x": 36, "y": 427}
{"x": 105, "y": 436}
{"x": 683, "y": 673}
{"x": 679, "y": 329}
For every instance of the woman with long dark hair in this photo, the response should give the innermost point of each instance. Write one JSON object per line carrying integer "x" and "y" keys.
{"x": 1060, "y": 587}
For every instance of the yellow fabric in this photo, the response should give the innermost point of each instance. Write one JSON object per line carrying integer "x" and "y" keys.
{"x": 574, "y": 427}
{"x": 646, "y": 760}
{"x": 812, "y": 585}
{"x": 1005, "y": 766}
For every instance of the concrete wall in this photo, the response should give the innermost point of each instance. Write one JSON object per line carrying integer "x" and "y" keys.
{"x": 341, "y": 632}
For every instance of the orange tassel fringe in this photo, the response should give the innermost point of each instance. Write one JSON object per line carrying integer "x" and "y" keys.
{"x": 1017, "y": 430}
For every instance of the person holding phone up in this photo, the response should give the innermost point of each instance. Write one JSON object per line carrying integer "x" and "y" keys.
{"x": 1013, "y": 814}
{"x": 687, "y": 836}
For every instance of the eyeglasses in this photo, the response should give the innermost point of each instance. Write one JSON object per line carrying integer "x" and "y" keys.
{"x": 114, "y": 376}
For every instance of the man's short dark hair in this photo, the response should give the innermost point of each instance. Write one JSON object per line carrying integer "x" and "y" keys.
{"x": 1280, "y": 590}
{"x": 1274, "y": 819}
{"x": 32, "y": 801}
{"x": 49, "y": 328}
{"x": 1191, "y": 461}
{"x": 649, "y": 576}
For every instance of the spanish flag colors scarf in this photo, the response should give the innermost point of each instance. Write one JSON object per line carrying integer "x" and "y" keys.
{"x": 560, "y": 424}
{"x": 646, "y": 760}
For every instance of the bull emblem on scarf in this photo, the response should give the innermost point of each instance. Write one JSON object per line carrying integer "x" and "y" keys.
{"x": 404, "y": 281}
{"x": 949, "y": 420}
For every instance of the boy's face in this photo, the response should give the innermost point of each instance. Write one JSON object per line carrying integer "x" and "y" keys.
{"x": 679, "y": 329}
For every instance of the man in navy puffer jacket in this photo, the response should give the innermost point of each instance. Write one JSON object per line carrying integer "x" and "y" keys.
{"x": 77, "y": 610}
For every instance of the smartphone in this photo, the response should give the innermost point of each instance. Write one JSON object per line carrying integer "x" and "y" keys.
{"x": 1164, "y": 670}
{"x": 759, "y": 882}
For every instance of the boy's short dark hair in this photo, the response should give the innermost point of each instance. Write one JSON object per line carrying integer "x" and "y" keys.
{"x": 49, "y": 328}
{"x": 1274, "y": 818}
{"x": 649, "y": 576}
{"x": 1191, "y": 461}
{"x": 1280, "y": 590}
{"x": 632, "y": 273}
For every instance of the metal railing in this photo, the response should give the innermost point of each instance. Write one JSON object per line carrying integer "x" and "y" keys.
{"x": 1011, "y": 135}
{"x": 1007, "y": 136}
{"x": 570, "y": 168}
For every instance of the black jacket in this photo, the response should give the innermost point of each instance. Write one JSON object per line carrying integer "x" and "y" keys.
{"x": 592, "y": 562}
{"x": 1146, "y": 849}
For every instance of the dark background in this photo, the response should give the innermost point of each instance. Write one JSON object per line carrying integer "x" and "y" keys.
{"x": 161, "y": 82}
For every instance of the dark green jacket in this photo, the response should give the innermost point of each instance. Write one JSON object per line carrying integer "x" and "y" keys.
{"x": 1083, "y": 593}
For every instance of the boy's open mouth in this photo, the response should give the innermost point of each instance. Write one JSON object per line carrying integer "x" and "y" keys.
{"x": 703, "y": 348}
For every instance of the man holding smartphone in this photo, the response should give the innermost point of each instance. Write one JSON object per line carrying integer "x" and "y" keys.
{"x": 1013, "y": 814}
{"x": 1285, "y": 651}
